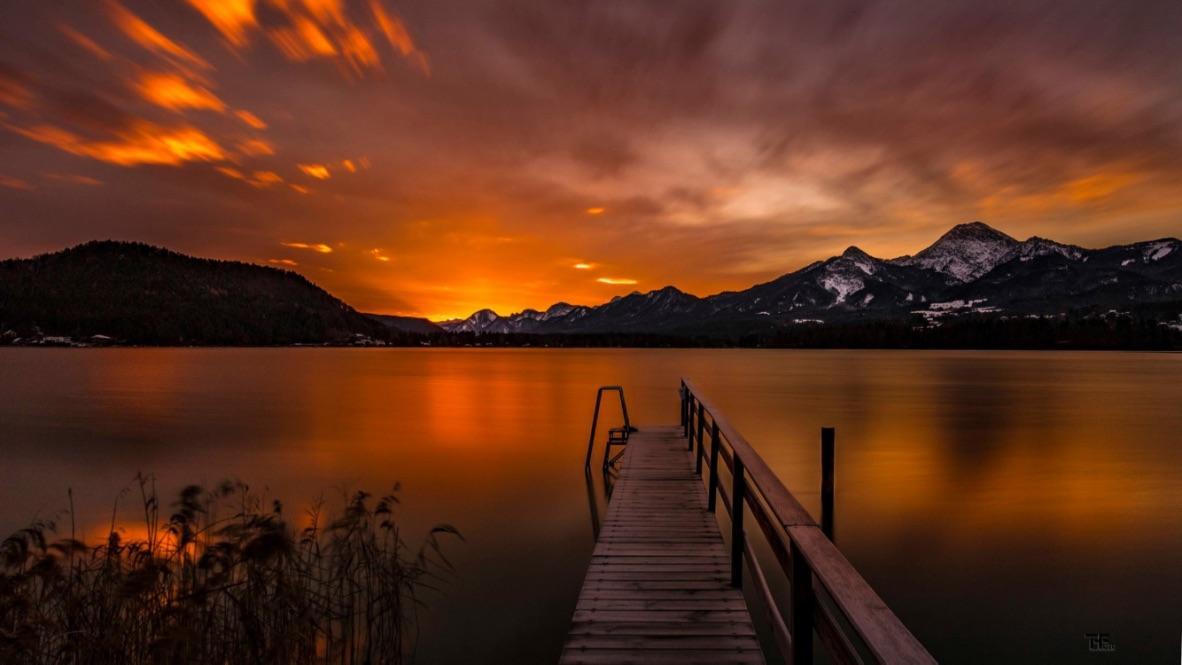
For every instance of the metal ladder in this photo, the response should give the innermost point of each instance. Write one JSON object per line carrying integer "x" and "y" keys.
{"x": 616, "y": 436}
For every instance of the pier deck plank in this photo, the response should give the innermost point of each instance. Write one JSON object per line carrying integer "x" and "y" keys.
{"x": 658, "y": 587}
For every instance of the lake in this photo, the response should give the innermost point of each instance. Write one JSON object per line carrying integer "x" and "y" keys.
{"x": 1004, "y": 504}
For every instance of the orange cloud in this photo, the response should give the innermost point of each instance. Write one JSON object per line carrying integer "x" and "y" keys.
{"x": 250, "y": 119}
{"x": 266, "y": 178}
{"x": 150, "y": 38}
{"x": 259, "y": 179}
{"x": 303, "y": 40}
{"x": 349, "y": 166}
{"x": 318, "y": 171}
{"x": 1088, "y": 191}
{"x": 595, "y": 211}
{"x": 1099, "y": 186}
{"x": 398, "y": 36}
{"x": 231, "y": 172}
{"x": 142, "y": 143}
{"x": 315, "y": 247}
{"x": 377, "y": 253}
{"x": 73, "y": 178}
{"x": 327, "y": 11}
{"x": 616, "y": 280}
{"x": 324, "y": 29}
{"x": 299, "y": 188}
{"x": 283, "y": 262}
{"x": 173, "y": 91}
{"x": 13, "y": 92}
{"x": 584, "y": 266}
{"x": 14, "y": 183}
{"x": 357, "y": 50}
{"x": 256, "y": 148}
{"x": 233, "y": 18}
{"x": 86, "y": 43}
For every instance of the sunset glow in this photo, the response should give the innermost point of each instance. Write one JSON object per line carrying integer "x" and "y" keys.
{"x": 172, "y": 91}
{"x": 315, "y": 247}
{"x": 318, "y": 171}
{"x": 490, "y": 148}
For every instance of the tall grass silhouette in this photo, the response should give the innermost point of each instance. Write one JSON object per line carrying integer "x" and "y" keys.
{"x": 224, "y": 579}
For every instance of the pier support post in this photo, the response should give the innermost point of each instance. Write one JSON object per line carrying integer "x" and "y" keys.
{"x": 802, "y": 609}
{"x": 701, "y": 436}
{"x": 738, "y": 499}
{"x": 684, "y": 392}
{"x": 712, "y": 494}
{"x": 827, "y": 436}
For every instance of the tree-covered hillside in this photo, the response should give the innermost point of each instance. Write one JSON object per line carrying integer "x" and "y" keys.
{"x": 139, "y": 294}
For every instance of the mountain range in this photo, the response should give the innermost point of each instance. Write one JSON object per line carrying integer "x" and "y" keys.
{"x": 973, "y": 269}
{"x": 975, "y": 286}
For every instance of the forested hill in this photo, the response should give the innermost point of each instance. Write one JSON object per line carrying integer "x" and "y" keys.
{"x": 139, "y": 294}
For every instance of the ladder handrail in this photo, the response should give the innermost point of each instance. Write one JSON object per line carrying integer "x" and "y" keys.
{"x": 595, "y": 418}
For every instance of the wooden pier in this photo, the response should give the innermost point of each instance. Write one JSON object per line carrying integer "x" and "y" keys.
{"x": 659, "y": 586}
{"x": 664, "y": 587}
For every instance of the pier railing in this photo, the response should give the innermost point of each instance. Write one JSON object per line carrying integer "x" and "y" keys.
{"x": 827, "y": 595}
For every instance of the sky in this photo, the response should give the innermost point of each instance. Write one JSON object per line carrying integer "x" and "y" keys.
{"x": 434, "y": 157}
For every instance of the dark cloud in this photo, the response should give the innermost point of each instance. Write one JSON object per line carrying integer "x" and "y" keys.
{"x": 723, "y": 143}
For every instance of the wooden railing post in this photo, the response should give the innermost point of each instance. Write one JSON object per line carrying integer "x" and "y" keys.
{"x": 738, "y": 498}
{"x": 684, "y": 391}
{"x": 802, "y": 609}
{"x": 701, "y": 433}
{"x": 806, "y": 553}
{"x": 827, "y": 481}
{"x": 712, "y": 494}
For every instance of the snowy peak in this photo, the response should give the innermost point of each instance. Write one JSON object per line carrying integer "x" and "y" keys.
{"x": 857, "y": 259}
{"x": 976, "y": 231}
{"x": 666, "y": 294}
{"x": 1036, "y": 246}
{"x": 558, "y": 309}
{"x": 480, "y": 321}
{"x": 666, "y": 299}
{"x": 971, "y": 270}
{"x": 965, "y": 252}
{"x": 1157, "y": 250}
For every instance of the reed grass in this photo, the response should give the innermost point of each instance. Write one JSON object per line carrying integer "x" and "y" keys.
{"x": 223, "y": 579}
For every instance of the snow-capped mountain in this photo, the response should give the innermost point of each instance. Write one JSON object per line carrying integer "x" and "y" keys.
{"x": 966, "y": 252}
{"x": 635, "y": 311}
{"x": 971, "y": 269}
{"x": 852, "y": 282}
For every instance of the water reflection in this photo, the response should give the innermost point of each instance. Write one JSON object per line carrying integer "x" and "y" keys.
{"x": 1035, "y": 495}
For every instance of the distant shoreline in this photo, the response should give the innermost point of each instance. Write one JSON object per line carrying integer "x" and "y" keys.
{"x": 1067, "y": 346}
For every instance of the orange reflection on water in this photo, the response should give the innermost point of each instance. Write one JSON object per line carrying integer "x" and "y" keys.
{"x": 997, "y": 479}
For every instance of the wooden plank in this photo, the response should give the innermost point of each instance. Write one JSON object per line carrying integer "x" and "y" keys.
{"x": 663, "y": 642}
{"x": 643, "y": 657}
{"x": 657, "y": 588}
{"x": 670, "y": 628}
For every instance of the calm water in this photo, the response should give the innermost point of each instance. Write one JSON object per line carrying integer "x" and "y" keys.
{"x": 1004, "y": 504}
